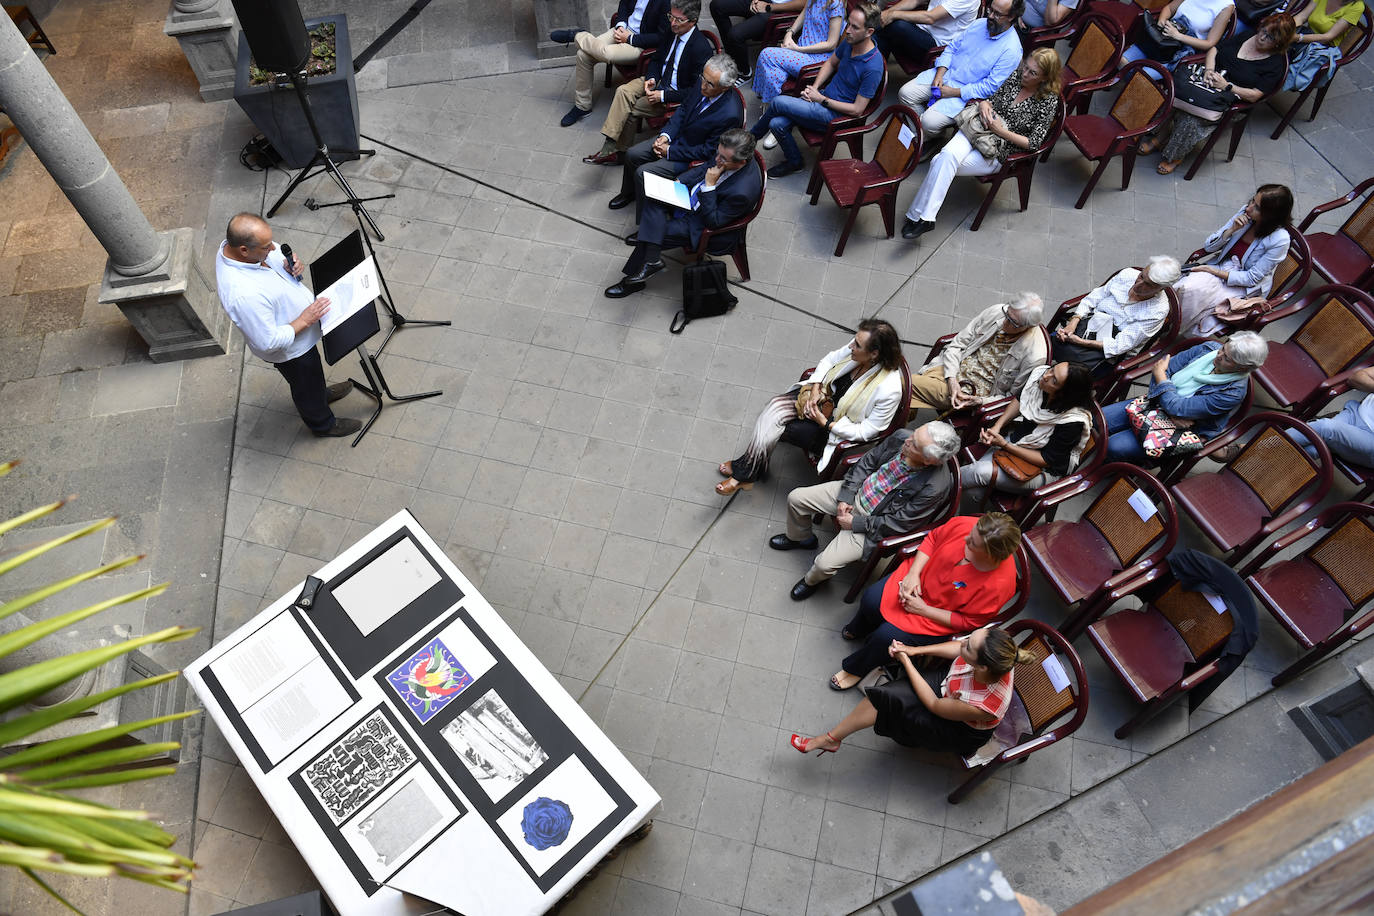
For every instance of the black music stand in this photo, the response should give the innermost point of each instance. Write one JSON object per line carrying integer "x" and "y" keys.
{"x": 356, "y": 330}
{"x": 398, "y": 321}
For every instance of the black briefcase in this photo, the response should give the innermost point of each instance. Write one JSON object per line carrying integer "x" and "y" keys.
{"x": 705, "y": 294}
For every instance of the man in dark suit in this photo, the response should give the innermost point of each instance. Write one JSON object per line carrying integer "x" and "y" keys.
{"x": 637, "y": 24}
{"x": 673, "y": 71}
{"x": 721, "y": 191}
{"x": 691, "y": 136}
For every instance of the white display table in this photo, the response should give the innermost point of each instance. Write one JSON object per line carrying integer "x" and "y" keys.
{"x": 410, "y": 744}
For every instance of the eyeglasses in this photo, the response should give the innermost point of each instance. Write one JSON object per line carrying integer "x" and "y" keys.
{"x": 678, "y": 19}
{"x": 1014, "y": 322}
{"x": 1271, "y": 35}
{"x": 1001, "y": 17}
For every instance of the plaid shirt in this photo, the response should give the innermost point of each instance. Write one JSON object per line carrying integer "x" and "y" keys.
{"x": 993, "y": 699}
{"x": 881, "y": 482}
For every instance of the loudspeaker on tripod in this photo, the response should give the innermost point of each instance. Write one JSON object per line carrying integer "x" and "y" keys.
{"x": 276, "y": 34}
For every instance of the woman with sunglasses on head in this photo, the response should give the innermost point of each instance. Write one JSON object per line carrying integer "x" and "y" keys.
{"x": 952, "y": 710}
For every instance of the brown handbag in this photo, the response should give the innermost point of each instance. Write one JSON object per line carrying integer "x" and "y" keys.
{"x": 1016, "y": 468}
{"x": 826, "y": 404}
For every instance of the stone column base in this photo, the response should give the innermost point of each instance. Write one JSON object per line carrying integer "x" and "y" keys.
{"x": 558, "y": 14}
{"x": 210, "y": 41}
{"x": 174, "y": 308}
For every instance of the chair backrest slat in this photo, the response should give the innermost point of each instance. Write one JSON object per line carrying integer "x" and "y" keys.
{"x": 1275, "y": 468}
{"x": 1138, "y": 103}
{"x": 1333, "y": 336}
{"x": 1043, "y": 703}
{"x": 1197, "y": 622}
{"x": 1344, "y": 555}
{"x": 1093, "y": 51}
{"x": 1120, "y": 525}
{"x": 1360, "y": 226}
{"x": 893, "y": 156}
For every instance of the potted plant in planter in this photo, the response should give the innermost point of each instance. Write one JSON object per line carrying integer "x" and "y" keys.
{"x": 271, "y": 104}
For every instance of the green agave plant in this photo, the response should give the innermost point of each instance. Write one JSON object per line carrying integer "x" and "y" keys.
{"x": 44, "y": 828}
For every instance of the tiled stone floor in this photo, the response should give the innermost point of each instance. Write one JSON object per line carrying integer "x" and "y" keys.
{"x": 568, "y": 466}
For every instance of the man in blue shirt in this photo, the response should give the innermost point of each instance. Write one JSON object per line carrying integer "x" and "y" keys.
{"x": 857, "y": 69}
{"x": 280, "y": 319}
{"x": 970, "y": 67}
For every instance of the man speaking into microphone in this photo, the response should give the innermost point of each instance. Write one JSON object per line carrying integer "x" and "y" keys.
{"x": 261, "y": 290}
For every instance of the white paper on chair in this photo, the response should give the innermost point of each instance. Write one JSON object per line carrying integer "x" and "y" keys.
{"x": 387, "y": 585}
{"x": 1054, "y": 670}
{"x": 1215, "y": 601}
{"x": 667, "y": 190}
{"x": 906, "y": 136}
{"x": 1142, "y": 505}
{"x": 349, "y": 293}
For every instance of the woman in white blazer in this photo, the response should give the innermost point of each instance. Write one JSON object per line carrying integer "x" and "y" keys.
{"x": 1245, "y": 253}
{"x": 853, "y": 395}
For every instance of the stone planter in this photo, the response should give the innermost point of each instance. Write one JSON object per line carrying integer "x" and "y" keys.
{"x": 276, "y": 111}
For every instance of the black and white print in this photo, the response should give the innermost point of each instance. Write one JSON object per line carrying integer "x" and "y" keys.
{"x": 362, "y": 763}
{"x": 494, "y": 745}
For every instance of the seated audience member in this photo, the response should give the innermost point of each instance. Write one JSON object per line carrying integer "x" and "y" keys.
{"x": 912, "y": 28}
{"x": 990, "y": 358}
{"x": 848, "y": 80}
{"x": 1019, "y": 115}
{"x": 636, "y": 25}
{"x": 672, "y": 72}
{"x": 949, "y": 710}
{"x": 721, "y": 191}
{"x": 1121, "y": 316}
{"x": 1348, "y": 435}
{"x": 860, "y": 383}
{"x": 959, "y": 579}
{"x": 1245, "y": 253}
{"x": 1192, "y": 396}
{"x": 691, "y": 135}
{"x": 1047, "y": 426}
{"x": 1319, "y": 41}
{"x": 1197, "y": 26}
{"x": 970, "y": 67}
{"x": 817, "y": 31}
{"x": 1040, "y": 13}
{"x": 754, "y": 16}
{"x": 902, "y": 481}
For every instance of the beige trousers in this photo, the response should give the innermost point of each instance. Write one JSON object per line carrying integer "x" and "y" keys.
{"x": 929, "y": 389}
{"x": 847, "y": 547}
{"x": 593, "y": 50}
{"x": 631, "y": 101}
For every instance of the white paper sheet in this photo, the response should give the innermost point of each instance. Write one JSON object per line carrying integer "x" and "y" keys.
{"x": 667, "y": 190}
{"x": 1054, "y": 670}
{"x": 253, "y": 668}
{"x": 349, "y": 293}
{"x": 905, "y": 136}
{"x": 297, "y": 709}
{"x": 577, "y": 791}
{"x": 1142, "y": 505}
{"x": 1215, "y": 601}
{"x": 384, "y": 587}
{"x": 409, "y": 813}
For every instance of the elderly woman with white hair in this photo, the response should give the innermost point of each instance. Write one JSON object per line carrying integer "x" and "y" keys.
{"x": 1119, "y": 316}
{"x": 1192, "y": 396}
{"x": 990, "y": 358}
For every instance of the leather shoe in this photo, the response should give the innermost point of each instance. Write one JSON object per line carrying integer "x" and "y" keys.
{"x": 631, "y": 285}
{"x": 632, "y": 239}
{"x": 614, "y": 157}
{"x": 783, "y": 542}
{"x": 343, "y": 426}
{"x": 563, "y": 36}
{"x": 574, "y": 115}
{"x": 784, "y": 168}
{"x": 621, "y": 201}
{"x": 802, "y": 590}
{"x": 339, "y": 390}
{"x": 913, "y": 227}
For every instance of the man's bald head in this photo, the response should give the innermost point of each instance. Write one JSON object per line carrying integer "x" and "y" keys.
{"x": 245, "y": 229}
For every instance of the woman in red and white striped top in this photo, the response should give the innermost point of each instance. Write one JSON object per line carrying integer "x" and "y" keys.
{"x": 954, "y": 710}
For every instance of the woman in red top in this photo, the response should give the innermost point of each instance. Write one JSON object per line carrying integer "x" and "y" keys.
{"x": 958, "y": 581}
{"x": 955, "y": 712}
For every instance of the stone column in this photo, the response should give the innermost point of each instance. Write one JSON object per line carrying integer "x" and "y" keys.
{"x": 151, "y": 276}
{"x": 558, "y": 14}
{"x": 209, "y": 37}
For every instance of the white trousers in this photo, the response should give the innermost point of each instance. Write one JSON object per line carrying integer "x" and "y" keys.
{"x": 957, "y": 158}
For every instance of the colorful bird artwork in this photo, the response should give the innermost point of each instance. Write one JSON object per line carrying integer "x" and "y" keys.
{"x": 428, "y": 680}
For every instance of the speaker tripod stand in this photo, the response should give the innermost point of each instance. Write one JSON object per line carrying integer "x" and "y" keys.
{"x": 321, "y": 162}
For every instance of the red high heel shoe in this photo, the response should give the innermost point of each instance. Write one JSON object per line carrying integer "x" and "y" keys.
{"x": 799, "y": 743}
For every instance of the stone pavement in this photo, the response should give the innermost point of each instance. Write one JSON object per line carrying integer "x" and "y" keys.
{"x": 568, "y": 466}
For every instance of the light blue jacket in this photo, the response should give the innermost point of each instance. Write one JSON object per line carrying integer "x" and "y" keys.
{"x": 1262, "y": 258}
{"x": 1210, "y": 406}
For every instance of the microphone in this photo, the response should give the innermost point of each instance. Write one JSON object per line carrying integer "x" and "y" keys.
{"x": 290, "y": 261}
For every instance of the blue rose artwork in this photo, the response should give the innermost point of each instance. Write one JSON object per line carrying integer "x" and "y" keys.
{"x": 546, "y": 822}
{"x": 429, "y": 680}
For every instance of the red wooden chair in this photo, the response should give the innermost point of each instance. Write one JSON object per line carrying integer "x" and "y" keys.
{"x": 1171, "y": 644}
{"x": 845, "y": 448}
{"x": 1268, "y": 485}
{"x": 1092, "y": 62}
{"x": 1290, "y": 277}
{"x": 897, "y": 547}
{"x": 1047, "y": 36}
{"x": 1108, "y": 545}
{"x": 1051, "y": 715}
{"x": 1347, "y": 255}
{"x": 821, "y": 139}
{"x": 1354, "y": 42}
{"x": 1321, "y": 595}
{"x": 855, "y": 183}
{"x": 1020, "y": 164}
{"x": 1126, "y": 15}
{"x": 1335, "y": 337}
{"x": 1142, "y": 105}
{"x": 1235, "y": 117}
{"x": 710, "y": 242}
{"x": 633, "y": 70}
